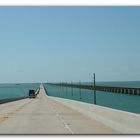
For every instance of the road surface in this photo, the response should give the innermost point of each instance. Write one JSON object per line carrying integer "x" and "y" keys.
{"x": 44, "y": 115}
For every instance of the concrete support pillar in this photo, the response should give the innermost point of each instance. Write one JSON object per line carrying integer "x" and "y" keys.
{"x": 118, "y": 90}
{"x": 122, "y": 90}
{"x": 138, "y": 92}
{"x": 130, "y": 91}
{"x": 126, "y": 91}
{"x": 135, "y": 92}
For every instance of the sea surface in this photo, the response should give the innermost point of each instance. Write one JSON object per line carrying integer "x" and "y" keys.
{"x": 16, "y": 90}
{"x": 125, "y": 102}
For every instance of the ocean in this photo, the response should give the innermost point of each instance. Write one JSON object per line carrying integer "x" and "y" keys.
{"x": 125, "y": 102}
{"x": 8, "y": 91}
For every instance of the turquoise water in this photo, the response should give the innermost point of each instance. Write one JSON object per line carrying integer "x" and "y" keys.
{"x": 16, "y": 90}
{"x": 118, "y": 101}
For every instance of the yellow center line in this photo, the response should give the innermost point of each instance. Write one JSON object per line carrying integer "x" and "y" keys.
{"x": 9, "y": 113}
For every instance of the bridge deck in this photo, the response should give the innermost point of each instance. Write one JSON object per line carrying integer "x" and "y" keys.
{"x": 46, "y": 116}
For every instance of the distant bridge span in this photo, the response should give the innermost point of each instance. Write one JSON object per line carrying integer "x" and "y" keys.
{"x": 123, "y": 90}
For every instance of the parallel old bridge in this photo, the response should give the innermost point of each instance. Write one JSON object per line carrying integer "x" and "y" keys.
{"x": 124, "y": 90}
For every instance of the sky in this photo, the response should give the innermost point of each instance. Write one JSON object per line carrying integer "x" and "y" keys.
{"x": 63, "y": 44}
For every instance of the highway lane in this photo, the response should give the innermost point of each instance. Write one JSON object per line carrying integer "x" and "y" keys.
{"x": 44, "y": 115}
{"x": 7, "y": 109}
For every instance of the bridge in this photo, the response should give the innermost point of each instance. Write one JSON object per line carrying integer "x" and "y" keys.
{"x": 123, "y": 90}
{"x": 46, "y": 115}
{"x": 52, "y": 115}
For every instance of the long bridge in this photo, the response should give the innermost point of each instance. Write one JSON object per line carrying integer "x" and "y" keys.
{"x": 46, "y": 115}
{"x": 123, "y": 90}
{"x": 53, "y": 115}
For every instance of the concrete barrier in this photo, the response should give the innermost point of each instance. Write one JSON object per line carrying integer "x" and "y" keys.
{"x": 121, "y": 121}
{"x": 2, "y": 101}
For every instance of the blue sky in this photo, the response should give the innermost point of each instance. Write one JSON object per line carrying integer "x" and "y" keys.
{"x": 54, "y": 44}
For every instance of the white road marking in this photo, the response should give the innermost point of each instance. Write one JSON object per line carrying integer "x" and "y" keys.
{"x": 62, "y": 120}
